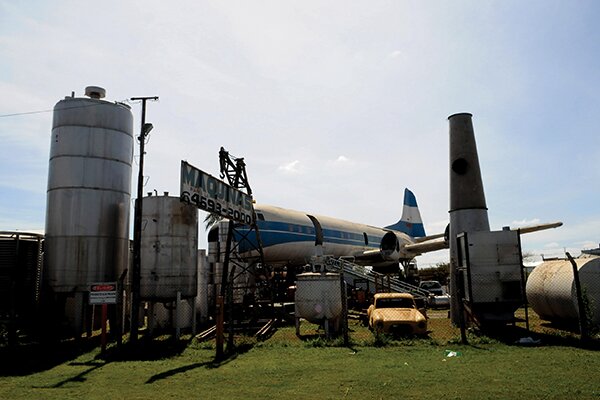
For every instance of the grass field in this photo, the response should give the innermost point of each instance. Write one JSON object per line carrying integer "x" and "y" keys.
{"x": 312, "y": 368}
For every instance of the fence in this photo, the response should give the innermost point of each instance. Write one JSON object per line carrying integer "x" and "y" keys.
{"x": 336, "y": 300}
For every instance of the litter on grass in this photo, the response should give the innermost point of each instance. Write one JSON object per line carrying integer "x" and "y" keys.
{"x": 452, "y": 353}
{"x": 528, "y": 341}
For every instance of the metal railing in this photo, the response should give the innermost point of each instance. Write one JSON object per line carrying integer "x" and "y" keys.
{"x": 358, "y": 271}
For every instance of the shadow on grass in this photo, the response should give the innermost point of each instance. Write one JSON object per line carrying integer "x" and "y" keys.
{"x": 30, "y": 358}
{"x": 80, "y": 377}
{"x": 207, "y": 364}
{"x": 146, "y": 349}
{"x": 311, "y": 337}
{"x": 556, "y": 335}
{"x": 320, "y": 340}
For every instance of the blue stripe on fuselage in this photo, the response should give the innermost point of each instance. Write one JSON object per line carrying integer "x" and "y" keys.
{"x": 273, "y": 233}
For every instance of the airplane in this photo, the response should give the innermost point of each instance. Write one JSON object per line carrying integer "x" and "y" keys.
{"x": 292, "y": 237}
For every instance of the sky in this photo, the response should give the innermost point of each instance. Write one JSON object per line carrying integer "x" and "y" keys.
{"x": 335, "y": 106}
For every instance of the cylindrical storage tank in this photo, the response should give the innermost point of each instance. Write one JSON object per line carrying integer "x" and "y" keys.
{"x": 216, "y": 253}
{"x": 169, "y": 249}
{"x": 202, "y": 299}
{"x": 211, "y": 266}
{"x": 88, "y": 198}
{"x": 551, "y": 288}
{"x": 165, "y": 315}
{"x": 318, "y": 297}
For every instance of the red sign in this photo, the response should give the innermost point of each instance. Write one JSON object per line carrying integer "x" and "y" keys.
{"x": 103, "y": 288}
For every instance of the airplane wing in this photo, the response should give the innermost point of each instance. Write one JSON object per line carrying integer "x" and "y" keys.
{"x": 427, "y": 238}
{"x": 427, "y": 246}
{"x": 539, "y": 227}
{"x": 432, "y": 243}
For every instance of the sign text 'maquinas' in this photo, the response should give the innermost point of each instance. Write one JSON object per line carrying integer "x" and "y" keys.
{"x": 213, "y": 195}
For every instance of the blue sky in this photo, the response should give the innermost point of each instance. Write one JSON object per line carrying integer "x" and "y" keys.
{"x": 336, "y": 106}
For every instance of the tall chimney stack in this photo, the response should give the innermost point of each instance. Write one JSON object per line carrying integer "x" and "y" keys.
{"x": 468, "y": 210}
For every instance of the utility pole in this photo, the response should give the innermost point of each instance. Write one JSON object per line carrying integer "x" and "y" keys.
{"x": 137, "y": 225}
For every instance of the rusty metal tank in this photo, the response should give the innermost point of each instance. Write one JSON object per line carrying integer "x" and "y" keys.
{"x": 169, "y": 249}
{"x": 551, "y": 289}
{"x": 89, "y": 191}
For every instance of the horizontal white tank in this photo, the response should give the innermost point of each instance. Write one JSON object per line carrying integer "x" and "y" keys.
{"x": 169, "y": 249}
{"x": 551, "y": 288}
{"x": 319, "y": 297}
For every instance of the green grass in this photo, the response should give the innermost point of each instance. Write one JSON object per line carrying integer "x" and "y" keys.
{"x": 308, "y": 368}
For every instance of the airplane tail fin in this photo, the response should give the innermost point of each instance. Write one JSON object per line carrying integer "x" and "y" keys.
{"x": 411, "y": 222}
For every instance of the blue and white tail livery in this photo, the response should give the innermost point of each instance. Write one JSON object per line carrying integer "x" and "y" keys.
{"x": 410, "y": 222}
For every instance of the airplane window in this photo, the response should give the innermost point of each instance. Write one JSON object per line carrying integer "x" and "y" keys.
{"x": 260, "y": 216}
{"x": 366, "y": 238}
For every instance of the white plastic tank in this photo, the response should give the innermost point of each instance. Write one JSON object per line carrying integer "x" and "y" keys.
{"x": 88, "y": 198}
{"x": 318, "y": 297}
{"x": 551, "y": 288}
{"x": 169, "y": 247}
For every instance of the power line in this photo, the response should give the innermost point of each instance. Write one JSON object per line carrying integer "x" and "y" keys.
{"x": 65, "y": 108}
{"x": 25, "y": 113}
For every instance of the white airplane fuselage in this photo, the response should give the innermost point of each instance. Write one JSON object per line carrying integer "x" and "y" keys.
{"x": 293, "y": 237}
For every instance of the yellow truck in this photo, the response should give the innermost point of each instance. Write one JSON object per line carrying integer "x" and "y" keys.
{"x": 396, "y": 313}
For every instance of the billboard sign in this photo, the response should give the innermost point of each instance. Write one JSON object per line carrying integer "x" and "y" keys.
{"x": 215, "y": 196}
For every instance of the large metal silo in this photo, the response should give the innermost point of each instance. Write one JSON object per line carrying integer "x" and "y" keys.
{"x": 89, "y": 191}
{"x": 169, "y": 249}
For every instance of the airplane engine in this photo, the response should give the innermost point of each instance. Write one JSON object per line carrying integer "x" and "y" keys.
{"x": 390, "y": 246}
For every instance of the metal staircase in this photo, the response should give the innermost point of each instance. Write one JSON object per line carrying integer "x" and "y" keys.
{"x": 358, "y": 271}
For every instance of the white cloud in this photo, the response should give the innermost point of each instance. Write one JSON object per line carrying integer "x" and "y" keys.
{"x": 342, "y": 159}
{"x": 290, "y": 168}
{"x": 524, "y": 222}
{"x": 586, "y": 245}
{"x": 395, "y": 54}
{"x": 552, "y": 245}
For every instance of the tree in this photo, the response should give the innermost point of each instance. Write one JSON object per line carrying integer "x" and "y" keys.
{"x": 439, "y": 273}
